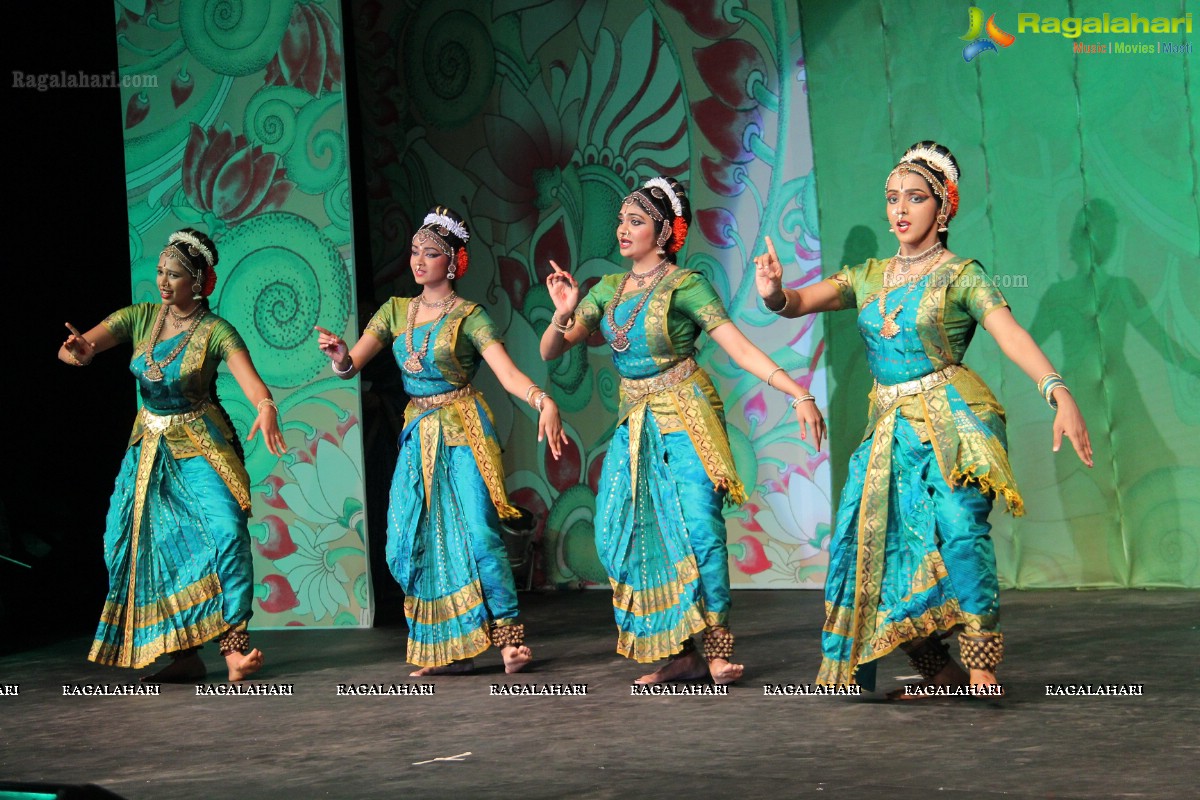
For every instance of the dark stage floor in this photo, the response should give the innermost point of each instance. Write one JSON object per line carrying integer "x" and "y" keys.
{"x": 609, "y": 744}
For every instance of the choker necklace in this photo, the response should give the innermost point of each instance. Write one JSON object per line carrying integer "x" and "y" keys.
{"x": 906, "y": 263}
{"x": 154, "y": 369}
{"x": 642, "y": 277}
{"x": 182, "y": 317}
{"x": 449, "y": 300}
{"x": 178, "y": 321}
{"x": 413, "y": 362}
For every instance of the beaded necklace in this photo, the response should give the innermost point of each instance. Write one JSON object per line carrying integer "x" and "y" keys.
{"x": 413, "y": 362}
{"x": 154, "y": 369}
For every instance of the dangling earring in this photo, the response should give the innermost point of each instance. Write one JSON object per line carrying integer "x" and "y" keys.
{"x": 450, "y": 275}
{"x": 942, "y": 219}
{"x": 662, "y": 252}
{"x": 196, "y": 290}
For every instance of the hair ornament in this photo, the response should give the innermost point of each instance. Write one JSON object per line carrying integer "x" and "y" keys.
{"x": 193, "y": 242}
{"x": 450, "y": 226}
{"x": 939, "y": 161}
{"x": 679, "y": 229}
{"x": 665, "y": 187}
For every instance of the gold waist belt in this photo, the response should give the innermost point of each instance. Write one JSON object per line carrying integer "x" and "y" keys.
{"x": 443, "y": 399}
{"x": 886, "y": 395}
{"x": 157, "y": 424}
{"x": 638, "y": 389}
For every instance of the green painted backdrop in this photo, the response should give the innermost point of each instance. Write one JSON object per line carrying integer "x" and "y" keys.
{"x": 244, "y": 135}
{"x": 534, "y": 118}
{"x": 1079, "y": 181}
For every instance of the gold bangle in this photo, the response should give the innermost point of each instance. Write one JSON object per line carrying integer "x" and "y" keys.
{"x": 539, "y": 401}
{"x": 75, "y": 360}
{"x": 786, "y": 301}
{"x": 562, "y": 327}
{"x": 802, "y": 399}
{"x": 771, "y": 376}
{"x": 266, "y": 401}
{"x": 531, "y": 397}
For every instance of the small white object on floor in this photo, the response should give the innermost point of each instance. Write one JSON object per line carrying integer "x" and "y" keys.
{"x": 459, "y": 757}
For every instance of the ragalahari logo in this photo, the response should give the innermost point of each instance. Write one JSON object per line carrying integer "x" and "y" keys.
{"x": 978, "y": 43}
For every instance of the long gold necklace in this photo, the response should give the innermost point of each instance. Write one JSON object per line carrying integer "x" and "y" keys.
{"x": 889, "y": 328}
{"x": 154, "y": 369}
{"x": 620, "y": 339}
{"x": 413, "y": 362}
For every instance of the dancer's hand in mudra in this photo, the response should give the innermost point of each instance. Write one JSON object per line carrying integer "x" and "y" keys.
{"x": 768, "y": 276}
{"x": 811, "y": 421}
{"x": 331, "y": 345}
{"x": 564, "y": 292}
{"x": 79, "y": 347}
{"x": 1068, "y": 421}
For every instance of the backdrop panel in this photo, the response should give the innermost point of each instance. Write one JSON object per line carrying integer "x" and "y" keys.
{"x": 535, "y": 119}
{"x": 1079, "y": 193}
{"x": 239, "y": 127}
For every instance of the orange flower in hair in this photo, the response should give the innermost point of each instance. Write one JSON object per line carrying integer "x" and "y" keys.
{"x": 679, "y": 232}
{"x": 461, "y": 263}
{"x": 951, "y": 199}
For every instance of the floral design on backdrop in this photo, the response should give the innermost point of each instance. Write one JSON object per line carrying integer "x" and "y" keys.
{"x": 535, "y": 119}
{"x": 245, "y": 136}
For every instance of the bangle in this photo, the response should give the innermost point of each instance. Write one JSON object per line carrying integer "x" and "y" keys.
{"x": 1046, "y": 386}
{"x": 269, "y": 403}
{"x": 75, "y": 360}
{"x": 530, "y": 399}
{"x": 562, "y": 327}
{"x": 782, "y": 308}
{"x": 772, "y": 375}
{"x": 795, "y": 401}
{"x": 539, "y": 400}
{"x": 343, "y": 372}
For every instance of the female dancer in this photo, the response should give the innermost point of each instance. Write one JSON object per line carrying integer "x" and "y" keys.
{"x": 448, "y": 497}
{"x": 911, "y": 558}
{"x": 175, "y": 541}
{"x": 668, "y": 470}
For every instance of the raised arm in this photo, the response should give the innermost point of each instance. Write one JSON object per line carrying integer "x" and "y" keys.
{"x": 753, "y": 360}
{"x": 80, "y": 348}
{"x": 518, "y": 384}
{"x": 563, "y": 332}
{"x": 1022, "y": 350}
{"x": 347, "y": 362}
{"x": 259, "y": 396}
{"x": 790, "y": 303}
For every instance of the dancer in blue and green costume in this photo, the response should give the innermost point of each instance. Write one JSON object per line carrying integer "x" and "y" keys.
{"x": 911, "y": 559}
{"x": 668, "y": 469}
{"x": 448, "y": 498}
{"x": 176, "y": 542}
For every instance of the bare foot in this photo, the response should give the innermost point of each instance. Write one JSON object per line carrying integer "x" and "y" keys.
{"x": 951, "y": 675}
{"x": 723, "y": 672}
{"x": 453, "y": 668}
{"x": 687, "y": 667}
{"x": 187, "y": 668}
{"x": 981, "y": 678}
{"x": 515, "y": 658}
{"x": 243, "y": 665}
